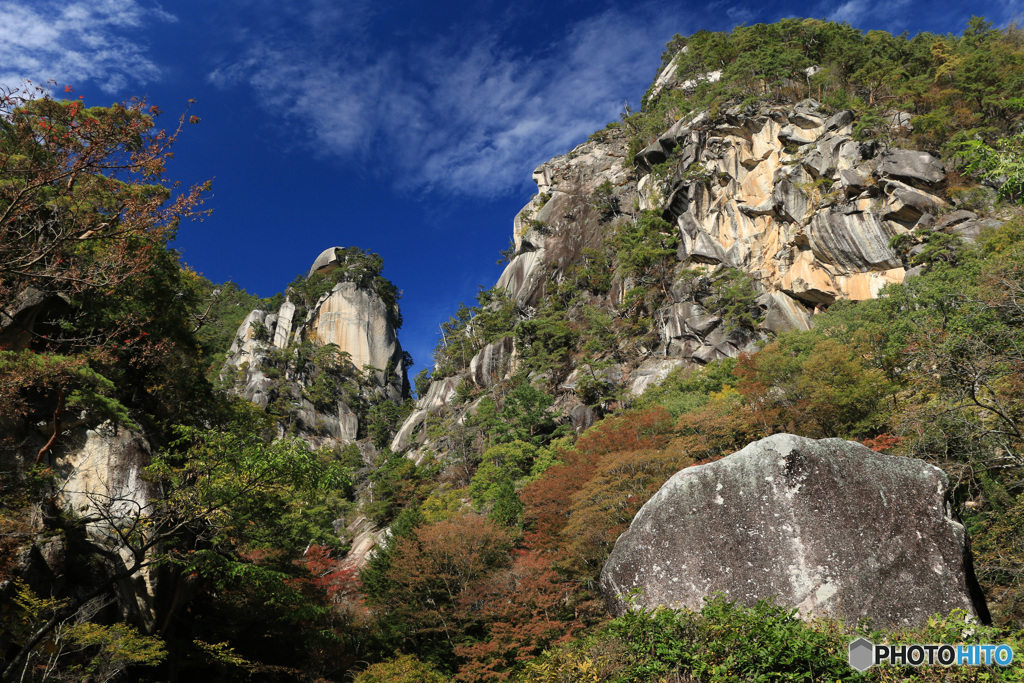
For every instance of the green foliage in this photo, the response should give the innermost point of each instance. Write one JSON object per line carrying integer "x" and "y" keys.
{"x": 604, "y": 201}
{"x": 401, "y": 669}
{"x": 938, "y": 246}
{"x": 116, "y": 647}
{"x": 396, "y": 485}
{"x": 422, "y": 382}
{"x": 645, "y": 247}
{"x": 443, "y": 504}
{"x": 237, "y": 482}
{"x": 218, "y": 310}
{"x": 527, "y": 416}
{"x": 508, "y": 253}
{"x": 77, "y": 650}
{"x": 818, "y": 387}
{"x": 593, "y": 386}
{"x": 327, "y": 371}
{"x": 592, "y": 272}
{"x": 973, "y": 83}
{"x": 546, "y": 341}
{"x": 353, "y": 265}
{"x": 502, "y": 464}
{"x": 726, "y": 641}
{"x": 83, "y": 387}
{"x": 1001, "y": 163}
{"x": 731, "y": 294}
{"x": 685, "y": 390}
{"x": 472, "y": 328}
{"x": 374, "y": 576}
{"x": 384, "y": 420}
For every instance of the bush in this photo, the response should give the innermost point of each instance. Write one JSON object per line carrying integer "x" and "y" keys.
{"x": 401, "y": 669}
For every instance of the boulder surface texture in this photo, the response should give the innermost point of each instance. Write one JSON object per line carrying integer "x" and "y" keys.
{"x": 828, "y": 527}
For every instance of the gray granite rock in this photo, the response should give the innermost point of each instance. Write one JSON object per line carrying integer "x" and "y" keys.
{"x": 828, "y": 527}
{"x": 912, "y": 166}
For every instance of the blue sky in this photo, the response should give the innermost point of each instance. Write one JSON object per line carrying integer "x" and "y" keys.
{"x": 405, "y": 128}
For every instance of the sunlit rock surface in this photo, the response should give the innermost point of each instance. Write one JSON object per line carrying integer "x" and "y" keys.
{"x": 828, "y": 527}
{"x": 353, "y": 318}
{"x": 783, "y": 194}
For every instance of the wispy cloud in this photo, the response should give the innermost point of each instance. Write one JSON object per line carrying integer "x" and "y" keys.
{"x": 852, "y": 11}
{"x": 861, "y": 12}
{"x": 76, "y": 41}
{"x": 464, "y": 116}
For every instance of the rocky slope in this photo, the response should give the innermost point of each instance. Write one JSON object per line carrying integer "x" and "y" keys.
{"x": 783, "y": 194}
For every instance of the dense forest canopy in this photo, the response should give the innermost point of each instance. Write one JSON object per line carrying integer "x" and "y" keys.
{"x": 495, "y": 539}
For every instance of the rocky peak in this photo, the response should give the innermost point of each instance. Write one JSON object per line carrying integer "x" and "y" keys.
{"x": 781, "y": 199}
{"x": 342, "y": 307}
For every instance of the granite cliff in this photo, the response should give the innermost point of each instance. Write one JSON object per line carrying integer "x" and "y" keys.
{"x": 784, "y": 200}
{"x": 349, "y": 334}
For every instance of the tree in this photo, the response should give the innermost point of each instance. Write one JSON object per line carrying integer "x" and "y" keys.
{"x": 547, "y": 609}
{"x": 1001, "y": 164}
{"x": 94, "y": 309}
{"x": 238, "y": 509}
{"x": 83, "y": 202}
{"x": 433, "y": 568}
{"x": 400, "y": 669}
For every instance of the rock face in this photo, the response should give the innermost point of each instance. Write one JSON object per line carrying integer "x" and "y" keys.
{"x": 783, "y": 194}
{"x": 353, "y": 318}
{"x": 787, "y": 194}
{"x": 104, "y": 481}
{"x": 357, "y": 321}
{"x": 828, "y": 527}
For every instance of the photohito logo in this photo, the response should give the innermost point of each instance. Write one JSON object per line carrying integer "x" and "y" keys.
{"x": 864, "y": 654}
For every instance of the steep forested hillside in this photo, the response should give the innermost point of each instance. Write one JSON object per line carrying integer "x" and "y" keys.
{"x": 804, "y": 229}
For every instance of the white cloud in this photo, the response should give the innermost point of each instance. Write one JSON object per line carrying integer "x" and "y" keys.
{"x": 76, "y": 41}
{"x": 852, "y": 12}
{"x": 860, "y": 12}
{"x": 466, "y": 116}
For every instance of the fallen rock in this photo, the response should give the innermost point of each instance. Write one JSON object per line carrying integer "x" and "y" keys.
{"x": 828, "y": 527}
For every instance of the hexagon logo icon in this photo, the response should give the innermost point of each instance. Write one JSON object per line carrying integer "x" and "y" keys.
{"x": 862, "y": 654}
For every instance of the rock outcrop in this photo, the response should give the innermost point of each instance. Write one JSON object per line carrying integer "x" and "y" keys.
{"x": 783, "y": 194}
{"x": 353, "y": 318}
{"x": 828, "y": 527}
{"x": 99, "y": 481}
{"x": 104, "y": 483}
{"x": 787, "y": 195}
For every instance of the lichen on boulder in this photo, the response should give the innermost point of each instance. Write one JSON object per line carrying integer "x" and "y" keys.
{"x": 828, "y": 527}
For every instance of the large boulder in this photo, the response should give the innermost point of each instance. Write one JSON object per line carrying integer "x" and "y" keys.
{"x": 828, "y": 527}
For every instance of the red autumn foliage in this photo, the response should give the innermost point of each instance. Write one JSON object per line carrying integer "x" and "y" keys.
{"x": 548, "y": 500}
{"x": 883, "y": 443}
{"x": 522, "y": 610}
{"x": 434, "y": 566}
{"x": 337, "y": 580}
